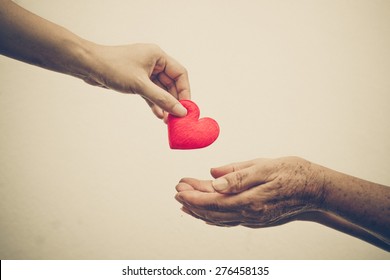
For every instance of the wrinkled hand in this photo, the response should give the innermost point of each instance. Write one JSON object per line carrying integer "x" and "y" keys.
{"x": 256, "y": 193}
{"x": 143, "y": 69}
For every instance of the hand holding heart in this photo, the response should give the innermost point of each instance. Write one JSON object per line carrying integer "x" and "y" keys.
{"x": 190, "y": 132}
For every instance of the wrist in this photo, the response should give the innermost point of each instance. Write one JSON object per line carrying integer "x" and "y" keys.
{"x": 80, "y": 61}
{"x": 314, "y": 187}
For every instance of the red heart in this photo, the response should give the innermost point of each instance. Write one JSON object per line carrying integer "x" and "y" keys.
{"x": 190, "y": 132}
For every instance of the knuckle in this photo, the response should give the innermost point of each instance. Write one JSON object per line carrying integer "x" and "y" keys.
{"x": 156, "y": 47}
{"x": 184, "y": 71}
{"x": 237, "y": 181}
{"x": 137, "y": 85}
{"x": 166, "y": 81}
{"x": 152, "y": 47}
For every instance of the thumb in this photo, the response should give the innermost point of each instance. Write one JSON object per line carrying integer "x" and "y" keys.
{"x": 162, "y": 99}
{"x": 220, "y": 171}
{"x": 237, "y": 181}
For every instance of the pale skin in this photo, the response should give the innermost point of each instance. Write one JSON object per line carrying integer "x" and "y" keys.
{"x": 269, "y": 192}
{"x": 143, "y": 69}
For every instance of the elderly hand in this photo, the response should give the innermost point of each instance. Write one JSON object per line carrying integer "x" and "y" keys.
{"x": 256, "y": 193}
{"x": 269, "y": 192}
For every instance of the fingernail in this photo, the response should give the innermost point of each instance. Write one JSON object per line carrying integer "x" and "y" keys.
{"x": 178, "y": 198}
{"x": 219, "y": 184}
{"x": 179, "y": 110}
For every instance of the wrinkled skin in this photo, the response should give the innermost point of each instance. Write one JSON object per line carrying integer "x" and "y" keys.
{"x": 258, "y": 193}
{"x": 268, "y": 192}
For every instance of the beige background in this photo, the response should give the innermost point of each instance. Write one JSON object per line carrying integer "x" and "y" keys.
{"x": 87, "y": 173}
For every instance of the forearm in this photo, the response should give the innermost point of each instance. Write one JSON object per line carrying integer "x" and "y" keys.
{"x": 362, "y": 203}
{"x": 32, "y": 39}
{"x": 342, "y": 225}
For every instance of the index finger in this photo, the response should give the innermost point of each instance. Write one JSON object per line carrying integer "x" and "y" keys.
{"x": 179, "y": 74}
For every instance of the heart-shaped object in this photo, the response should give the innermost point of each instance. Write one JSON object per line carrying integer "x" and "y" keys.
{"x": 190, "y": 132}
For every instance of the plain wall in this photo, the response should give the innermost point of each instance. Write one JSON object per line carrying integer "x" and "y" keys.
{"x": 87, "y": 173}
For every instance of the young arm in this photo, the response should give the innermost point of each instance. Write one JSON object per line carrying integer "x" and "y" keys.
{"x": 140, "y": 68}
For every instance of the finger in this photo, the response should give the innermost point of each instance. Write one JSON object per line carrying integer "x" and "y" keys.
{"x": 167, "y": 83}
{"x": 165, "y": 117}
{"x": 157, "y": 111}
{"x": 268, "y": 223}
{"x": 212, "y": 201}
{"x": 189, "y": 212}
{"x": 164, "y": 82}
{"x": 162, "y": 113}
{"x": 156, "y": 81}
{"x": 238, "y": 181}
{"x": 162, "y": 99}
{"x": 209, "y": 222}
{"x": 179, "y": 74}
{"x": 232, "y": 224}
{"x": 199, "y": 185}
{"x": 217, "y": 172}
{"x": 182, "y": 187}
{"x": 218, "y": 217}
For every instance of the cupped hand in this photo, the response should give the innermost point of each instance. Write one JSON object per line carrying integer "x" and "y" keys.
{"x": 143, "y": 69}
{"x": 256, "y": 193}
